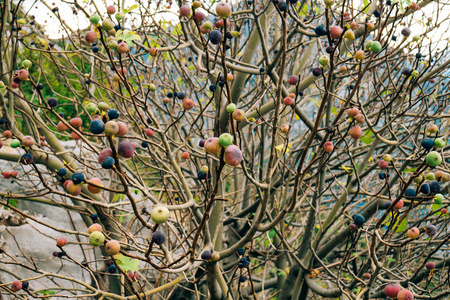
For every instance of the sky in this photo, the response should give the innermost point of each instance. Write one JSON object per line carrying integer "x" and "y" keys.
{"x": 45, "y": 17}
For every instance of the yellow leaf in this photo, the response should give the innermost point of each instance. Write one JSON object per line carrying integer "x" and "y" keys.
{"x": 347, "y": 169}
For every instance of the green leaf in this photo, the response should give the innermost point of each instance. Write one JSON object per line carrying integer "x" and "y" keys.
{"x": 271, "y": 233}
{"x": 126, "y": 263}
{"x": 436, "y": 207}
{"x": 367, "y": 137}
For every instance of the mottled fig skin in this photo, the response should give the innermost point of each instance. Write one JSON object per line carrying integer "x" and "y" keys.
{"x": 76, "y": 122}
{"x": 328, "y": 146}
{"x": 233, "y": 155}
{"x": 391, "y": 290}
{"x": 123, "y": 129}
{"x": 90, "y": 37}
{"x": 405, "y": 295}
{"x": 160, "y": 214}
{"x": 356, "y": 132}
{"x": 223, "y": 10}
{"x": 104, "y": 154}
{"x": 352, "y": 112}
{"x": 293, "y": 79}
{"x": 126, "y": 149}
{"x": 111, "y": 128}
{"x": 238, "y": 115}
{"x": 61, "y": 242}
{"x": 188, "y": 104}
{"x": 7, "y": 134}
{"x": 110, "y": 9}
{"x": 399, "y": 205}
{"x": 185, "y": 10}
{"x": 336, "y": 32}
{"x": 16, "y": 286}
{"x": 112, "y": 247}
{"x": 93, "y": 189}
{"x": 95, "y": 227}
{"x": 61, "y": 127}
{"x": 28, "y": 141}
{"x": 413, "y": 233}
{"x": 185, "y": 155}
{"x": 212, "y": 145}
{"x": 73, "y": 189}
{"x": 383, "y": 164}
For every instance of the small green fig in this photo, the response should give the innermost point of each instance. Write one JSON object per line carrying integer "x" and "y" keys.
{"x": 96, "y": 238}
{"x": 94, "y": 19}
{"x": 160, "y": 214}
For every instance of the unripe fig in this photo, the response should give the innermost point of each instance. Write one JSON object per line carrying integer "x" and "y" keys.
{"x": 94, "y": 19}
{"x": 107, "y": 25}
{"x": 111, "y": 128}
{"x": 118, "y": 16}
{"x": 91, "y": 107}
{"x": 231, "y": 108}
{"x": 103, "y": 106}
{"x": 96, "y": 238}
{"x": 324, "y": 60}
{"x": 433, "y": 159}
{"x": 349, "y": 34}
{"x": 160, "y": 214}
{"x": 376, "y": 46}
{"x": 112, "y": 45}
{"x": 329, "y": 3}
{"x": 225, "y": 139}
